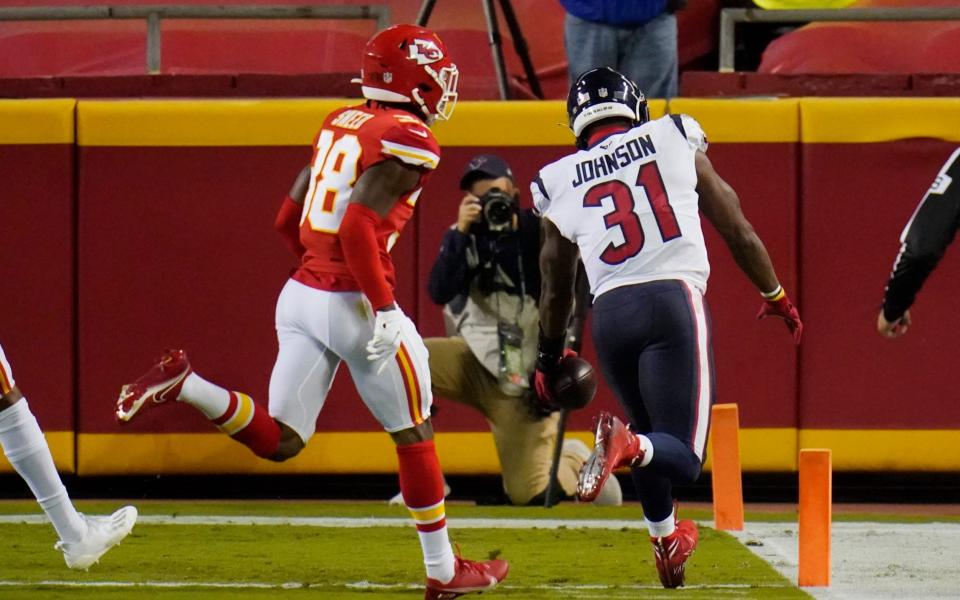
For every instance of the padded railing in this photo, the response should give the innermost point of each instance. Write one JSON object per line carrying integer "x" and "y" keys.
{"x": 729, "y": 17}
{"x": 154, "y": 14}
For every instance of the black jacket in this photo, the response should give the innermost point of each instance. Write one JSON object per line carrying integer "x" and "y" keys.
{"x": 466, "y": 256}
{"x": 925, "y": 239}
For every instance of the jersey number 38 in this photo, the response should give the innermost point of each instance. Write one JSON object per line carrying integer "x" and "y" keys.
{"x": 333, "y": 173}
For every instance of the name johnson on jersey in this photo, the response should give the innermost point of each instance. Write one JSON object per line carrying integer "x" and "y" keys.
{"x": 606, "y": 164}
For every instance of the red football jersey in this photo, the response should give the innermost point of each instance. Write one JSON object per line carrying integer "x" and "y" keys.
{"x": 352, "y": 140}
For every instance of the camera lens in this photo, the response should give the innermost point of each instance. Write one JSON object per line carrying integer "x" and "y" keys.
{"x": 497, "y": 212}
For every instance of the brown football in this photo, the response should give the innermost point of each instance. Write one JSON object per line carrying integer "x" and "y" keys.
{"x": 573, "y": 383}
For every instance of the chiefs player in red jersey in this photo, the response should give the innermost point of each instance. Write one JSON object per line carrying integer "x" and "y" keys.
{"x": 342, "y": 217}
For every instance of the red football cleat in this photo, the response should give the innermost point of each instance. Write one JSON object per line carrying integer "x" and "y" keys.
{"x": 158, "y": 385}
{"x": 616, "y": 446}
{"x": 469, "y": 576}
{"x": 671, "y": 553}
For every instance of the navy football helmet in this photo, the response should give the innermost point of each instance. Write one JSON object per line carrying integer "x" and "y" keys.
{"x": 603, "y": 93}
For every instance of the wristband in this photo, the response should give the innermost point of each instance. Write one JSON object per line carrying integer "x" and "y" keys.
{"x": 774, "y": 296}
{"x": 549, "y": 351}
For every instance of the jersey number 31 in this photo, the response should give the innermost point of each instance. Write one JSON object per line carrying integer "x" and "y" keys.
{"x": 625, "y": 217}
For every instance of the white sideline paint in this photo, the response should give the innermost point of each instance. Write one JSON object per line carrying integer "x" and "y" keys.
{"x": 359, "y": 522}
{"x": 870, "y": 561}
{"x": 362, "y": 585}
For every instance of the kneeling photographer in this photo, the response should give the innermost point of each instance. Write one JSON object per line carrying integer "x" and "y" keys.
{"x": 488, "y": 277}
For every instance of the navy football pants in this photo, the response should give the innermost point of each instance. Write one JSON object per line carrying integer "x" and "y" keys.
{"x": 653, "y": 341}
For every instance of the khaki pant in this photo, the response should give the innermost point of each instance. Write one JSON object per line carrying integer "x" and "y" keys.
{"x": 524, "y": 442}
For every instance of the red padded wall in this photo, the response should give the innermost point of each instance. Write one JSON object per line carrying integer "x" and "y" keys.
{"x": 37, "y": 271}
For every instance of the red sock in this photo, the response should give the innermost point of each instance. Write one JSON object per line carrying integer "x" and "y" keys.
{"x": 250, "y": 424}
{"x": 421, "y": 483}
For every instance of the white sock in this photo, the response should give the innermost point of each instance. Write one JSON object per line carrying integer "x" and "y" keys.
{"x": 27, "y": 450}
{"x": 646, "y": 446}
{"x": 209, "y": 398}
{"x": 437, "y": 554}
{"x": 662, "y": 528}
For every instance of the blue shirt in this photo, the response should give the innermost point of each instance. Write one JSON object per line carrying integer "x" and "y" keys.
{"x": 622, "y": 13}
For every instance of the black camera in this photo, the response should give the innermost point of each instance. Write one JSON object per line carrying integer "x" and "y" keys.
{"x": 498, "y": 210}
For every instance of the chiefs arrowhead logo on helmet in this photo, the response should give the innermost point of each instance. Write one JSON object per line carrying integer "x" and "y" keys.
{"x": 410, "y": 64}
{"x": 424, "y": 52}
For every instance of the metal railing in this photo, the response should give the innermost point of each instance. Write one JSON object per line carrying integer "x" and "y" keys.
{"x": 729, "y": 17}
{"x": 154, "y": 14}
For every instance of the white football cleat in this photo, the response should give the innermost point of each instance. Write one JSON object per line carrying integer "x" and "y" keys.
{"x": 103, "y": 533}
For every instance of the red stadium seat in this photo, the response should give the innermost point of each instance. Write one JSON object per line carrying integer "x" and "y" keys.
{"x": 865, "y": 47}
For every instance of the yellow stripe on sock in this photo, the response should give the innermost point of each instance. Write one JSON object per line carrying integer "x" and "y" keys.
{"x": 241, "y": 418}
{"x": 430, "y": 514}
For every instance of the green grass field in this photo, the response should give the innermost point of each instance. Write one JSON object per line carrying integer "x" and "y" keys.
{"x": 261, "y": 561}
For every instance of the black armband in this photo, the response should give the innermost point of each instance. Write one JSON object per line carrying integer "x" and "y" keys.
{"x": 549, "y": 351}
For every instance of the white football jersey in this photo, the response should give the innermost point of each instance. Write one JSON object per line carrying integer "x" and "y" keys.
{"x": 631, "y": 206}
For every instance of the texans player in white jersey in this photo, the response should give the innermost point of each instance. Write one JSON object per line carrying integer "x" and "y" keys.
{"x": 369, "y": 165}
{"x": 629, "y": 202}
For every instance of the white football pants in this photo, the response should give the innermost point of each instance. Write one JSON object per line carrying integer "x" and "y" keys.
{"x": 317, "y": 329}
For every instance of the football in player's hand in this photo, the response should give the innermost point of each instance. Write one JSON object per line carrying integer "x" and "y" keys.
{"x": 573, "y": 383}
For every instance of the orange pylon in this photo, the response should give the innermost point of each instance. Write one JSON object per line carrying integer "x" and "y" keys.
{"x": 725, "y": 474}
{"x": 816, "y": 514}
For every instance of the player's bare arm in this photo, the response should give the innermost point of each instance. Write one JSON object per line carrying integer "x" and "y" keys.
{"x": 558, "y": 272}
{"x": 558, "y": 268}
{"x": 10, "y": 398}
{"x": 581, "y": 306}
{"x": 720, "y": 204}
{"x": 383, "y": 184}
{"x": 298, "y": 191}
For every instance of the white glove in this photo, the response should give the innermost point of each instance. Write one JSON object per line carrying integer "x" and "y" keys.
{"x": 386, "y": 337}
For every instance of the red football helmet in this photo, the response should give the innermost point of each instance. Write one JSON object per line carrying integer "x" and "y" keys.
{"x": 407, "y": 63}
